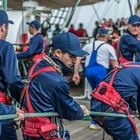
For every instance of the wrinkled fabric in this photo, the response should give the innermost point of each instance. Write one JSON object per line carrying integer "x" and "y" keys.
{"x": 35, "y": 47}
{"x": 9, "y": 78}
{"x": 129, "y": 46}
{"x": 127, "y": 83}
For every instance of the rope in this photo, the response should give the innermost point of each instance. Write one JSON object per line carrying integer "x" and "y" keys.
{"x": 28, "y": 115}
{"x": 107, "y": 115}
{"x": 54, "y": 114}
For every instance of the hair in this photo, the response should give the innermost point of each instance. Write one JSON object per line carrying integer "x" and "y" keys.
{"x": 51, "y": 49}
{"x": 101, "y": 35}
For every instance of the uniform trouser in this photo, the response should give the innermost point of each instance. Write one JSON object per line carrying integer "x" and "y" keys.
{"x": 8, "y": 132}
{"x": 118, "y": 128}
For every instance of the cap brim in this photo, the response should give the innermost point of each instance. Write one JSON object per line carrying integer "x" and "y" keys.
{"x": 135, "y": 23}
{"x": 10, "y": 22}
{"x": 80, "y": 53}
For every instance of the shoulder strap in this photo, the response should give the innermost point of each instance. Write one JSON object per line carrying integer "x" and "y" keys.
{"x": 50, "y": 69}
{"x": 31, "y": 76}
{"x": 117, "y": 69}
{"x": 98, "y": 46}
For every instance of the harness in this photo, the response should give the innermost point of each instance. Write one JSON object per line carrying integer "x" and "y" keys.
{"x": 110, "y": 96}
{"x": 5, "y": 99}
{"x": 38, "y": 126}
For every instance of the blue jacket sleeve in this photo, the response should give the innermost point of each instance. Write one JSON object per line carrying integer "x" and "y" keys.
{"x": 132, "y": 42}
{"x": 65, "y": 104}
{"x": 35, "y": 46}
{"x": 7, "y": 109}
{"x": 10, "y": 72}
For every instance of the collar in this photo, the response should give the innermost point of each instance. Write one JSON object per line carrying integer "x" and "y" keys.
{"x": 64, "y": 68}
{"x": 130, "y": 33}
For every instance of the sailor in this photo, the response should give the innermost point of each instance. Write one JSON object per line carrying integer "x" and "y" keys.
{"x": 118, "y": 93}
{"x": 9, "y": 79}
{"x": 35, "y": 48}
{"x": 49, "y": 91}
{"x": 129, "y": 46}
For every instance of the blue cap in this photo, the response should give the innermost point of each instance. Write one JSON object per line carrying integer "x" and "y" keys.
{"x": 134, "y": 19}
{"x": 68, "y": 42}
{"x": 35, "y": 24}
{"x": 4, "y": 18}
{"x": 102, "y": 31}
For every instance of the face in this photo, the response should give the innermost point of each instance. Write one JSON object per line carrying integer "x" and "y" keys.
{"x": 68, "y": 59}
{"x": 31, "y": 30}
{"x": 134, "y": 29}
{"x": 4, "y": 31}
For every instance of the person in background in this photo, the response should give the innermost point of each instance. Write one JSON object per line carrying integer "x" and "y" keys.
{"x": 57, "y": 30}
{"x": 114, "y": 38}
{"x": 36, "y": 43}
{"x": 81, "y": 32}
{"x": 105, "y": 55}
{"x": 129, "y": 46}
{"x": 71, "y": 29}
{"x": 97, "y": 26}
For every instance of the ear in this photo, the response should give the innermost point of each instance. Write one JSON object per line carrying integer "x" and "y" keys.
{"x": 1, "y": 28}
{"x": 58, "y": 53}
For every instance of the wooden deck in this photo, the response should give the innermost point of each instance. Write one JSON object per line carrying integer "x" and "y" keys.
{"x": 80, "y": 130}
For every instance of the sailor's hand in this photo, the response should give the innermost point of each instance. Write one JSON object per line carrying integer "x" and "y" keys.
{"x": 76, "y": 78}
{"x": 20, "y": 114}
{"x": 85, "y": 110}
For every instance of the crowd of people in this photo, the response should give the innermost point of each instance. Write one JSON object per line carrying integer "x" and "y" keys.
{"x": 46, "y": 88}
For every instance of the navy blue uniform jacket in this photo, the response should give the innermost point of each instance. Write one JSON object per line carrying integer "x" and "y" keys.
{"x": 35, "y": 47}
{"x": 49, "y": 91}
{"x": 127, "y": 83}
{"x": 9, "y": 76}
{"x": 129, "y": 46}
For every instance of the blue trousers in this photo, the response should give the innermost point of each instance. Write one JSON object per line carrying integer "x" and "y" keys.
{"x": 8, "y": 132}
{"x": 95, "y": 75}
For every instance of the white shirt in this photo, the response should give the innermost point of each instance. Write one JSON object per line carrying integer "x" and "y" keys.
{"x": 104, "y": 54}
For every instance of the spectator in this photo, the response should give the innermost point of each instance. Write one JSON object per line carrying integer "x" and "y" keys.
{"x": 81, "y": 32}
{"x": 97, "y": 26}
{"x": 71, "y": 29}
{"x": 105, "y": 55}
{"x": 57, "y": 30}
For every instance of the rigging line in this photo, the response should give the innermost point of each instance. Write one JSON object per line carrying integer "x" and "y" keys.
{"x": 96, "y": 13}
{"x": 68, "y": 19}
{"x": 130, "y": 7}
{"x": 22, "y": 21}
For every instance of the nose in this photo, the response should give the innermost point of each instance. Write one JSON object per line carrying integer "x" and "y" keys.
{"x": 74, "y": 60}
